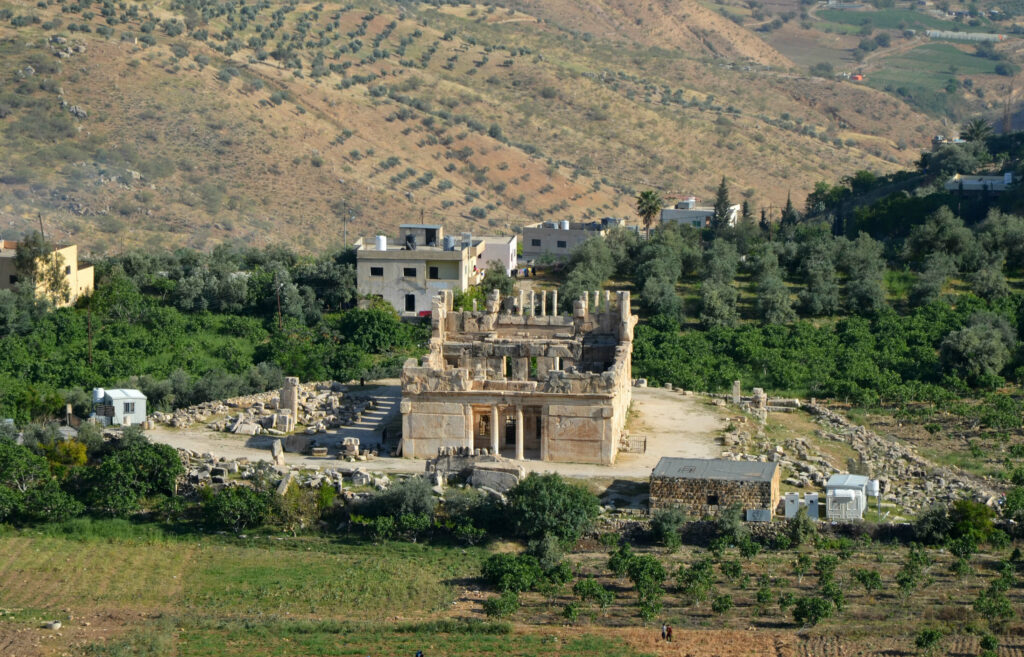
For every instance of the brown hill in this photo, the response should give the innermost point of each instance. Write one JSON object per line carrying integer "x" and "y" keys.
{"x": 275, "y": 122}
{"x": 682, "y": 25}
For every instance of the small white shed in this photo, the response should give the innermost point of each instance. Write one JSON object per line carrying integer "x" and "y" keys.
{"x": 846, "y": 496}
{"x": 118, "y": 406}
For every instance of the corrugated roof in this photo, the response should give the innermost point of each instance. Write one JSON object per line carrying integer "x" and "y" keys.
{"x": 846, "y": 481}
{"x": 680, "y": 468}
{"x": 123, "y": 393}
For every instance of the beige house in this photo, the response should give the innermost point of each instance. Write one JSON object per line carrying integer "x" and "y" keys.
{"x": 79, "y": 279}
{"x": 424, "y": 262}
{"x": 513, "y": 380}
{"x": 557, "y": 239}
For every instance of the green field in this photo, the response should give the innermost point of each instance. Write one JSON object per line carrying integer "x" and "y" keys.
{"x": 231, "y": 577}
{"x": 157, "y": 594}
{"x": 894, "y": 19}
{"x": 926, "y": 70}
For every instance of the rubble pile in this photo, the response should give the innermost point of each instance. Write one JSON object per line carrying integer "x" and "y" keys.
{"x": 316, "y": 406}
{"x": 206, "y": 470}
{"x": 912, "y": 480}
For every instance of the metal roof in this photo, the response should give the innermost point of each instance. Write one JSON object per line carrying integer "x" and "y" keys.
{"x": 847, "y": 481}
{"x": 680, "y": 468}
{"x": 123, "y": 393}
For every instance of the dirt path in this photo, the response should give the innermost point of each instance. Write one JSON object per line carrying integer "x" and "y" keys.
{"x": 675, "y": 425}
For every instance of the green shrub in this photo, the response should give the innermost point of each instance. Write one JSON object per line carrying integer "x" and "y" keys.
{"x": 238, "y": 507}
{"x": 502, "y": 606}
{"x": 666, "y": 525}
{"x": 509, "y": 572}
{"x": 547, "y": 504}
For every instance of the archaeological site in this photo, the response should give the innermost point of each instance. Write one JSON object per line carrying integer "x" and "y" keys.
{"x": 518, "y": 381}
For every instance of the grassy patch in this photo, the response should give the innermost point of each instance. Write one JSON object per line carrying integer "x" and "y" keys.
{"x": 892, "y": 19}
{"x": 344, "y": 639}
{"x": 373, "y": 581}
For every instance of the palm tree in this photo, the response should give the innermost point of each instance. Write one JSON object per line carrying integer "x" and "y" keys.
{"x": 976, "y": 130}
{"x": 648, "y": 206}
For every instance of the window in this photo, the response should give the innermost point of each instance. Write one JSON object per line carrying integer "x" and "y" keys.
{"x": 410, "y": 303}
{"x": 376, "y": 271}
{"x": 67, "y": 270}
{"x": 129, "y": 407}
{"x": 561, "y": 244}
{"x": 409, "y": 272}
{"x": 534, "y": 242}
{"x": 434, "y": 274}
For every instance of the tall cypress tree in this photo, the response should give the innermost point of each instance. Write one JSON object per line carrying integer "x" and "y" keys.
{"x": 720, "y": 218}
{"x": 789, "y": 215}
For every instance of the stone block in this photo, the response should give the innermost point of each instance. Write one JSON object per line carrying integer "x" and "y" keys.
{"x": 298, "y": 444}
{"x": 499, "y": 480}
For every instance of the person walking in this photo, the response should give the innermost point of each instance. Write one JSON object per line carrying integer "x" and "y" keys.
{"x": 664, "y": 631}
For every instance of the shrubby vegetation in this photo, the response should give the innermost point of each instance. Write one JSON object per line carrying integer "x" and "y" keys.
{"x": 185, "y": 327}
{"x": 924, "y": 314}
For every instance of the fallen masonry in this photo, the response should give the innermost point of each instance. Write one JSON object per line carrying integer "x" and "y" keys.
{"x": 316, "y": 406}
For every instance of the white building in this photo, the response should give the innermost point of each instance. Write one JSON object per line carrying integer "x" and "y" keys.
{"x": 846, "y": 497}
{"x": 502, "y": 250}
{"x": 118, "y": 406}
{"x": 688, "y": 213}
{"x": 979, "y": 183}
{"x": 408, "y": 275}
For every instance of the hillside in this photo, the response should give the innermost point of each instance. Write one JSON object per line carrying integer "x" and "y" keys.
{"x": 272, "y": 122}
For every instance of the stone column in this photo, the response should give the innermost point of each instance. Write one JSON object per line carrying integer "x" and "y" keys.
{"x": 495, "y": 446}
{"x": 519, "y": 432}
{"x": 290, "y": 395}
{"x": 544, "y": 303}
{"x": 554, "y": 302}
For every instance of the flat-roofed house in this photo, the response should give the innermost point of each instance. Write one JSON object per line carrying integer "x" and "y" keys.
{"x": 705, "y": 486}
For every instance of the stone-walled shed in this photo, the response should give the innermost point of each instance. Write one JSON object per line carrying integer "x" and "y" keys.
{"x": 703, "y": 486}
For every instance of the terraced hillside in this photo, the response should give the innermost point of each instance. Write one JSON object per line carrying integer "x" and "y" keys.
{"x": 190, "y": 122}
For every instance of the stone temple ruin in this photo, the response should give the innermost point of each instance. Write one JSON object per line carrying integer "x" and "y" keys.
{"x": 515, "y": 381}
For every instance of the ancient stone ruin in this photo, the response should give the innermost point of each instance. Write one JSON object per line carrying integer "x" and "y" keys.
{"x": 515, "y": 381}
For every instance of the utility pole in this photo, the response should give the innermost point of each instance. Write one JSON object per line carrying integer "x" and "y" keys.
{"x": 90, "y": 331}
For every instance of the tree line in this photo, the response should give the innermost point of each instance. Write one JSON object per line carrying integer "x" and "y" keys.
{"x": 799, "y": 309}
{"x": 186, "y": 327}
